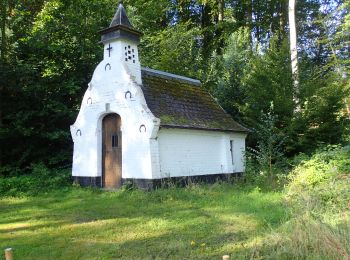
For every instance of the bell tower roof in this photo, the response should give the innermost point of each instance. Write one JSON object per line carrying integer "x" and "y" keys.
{"x": 120, "y": 17}
{"x": 120, "y": 27}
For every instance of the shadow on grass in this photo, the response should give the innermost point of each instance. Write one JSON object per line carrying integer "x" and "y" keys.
{"x": 179, "y": 222}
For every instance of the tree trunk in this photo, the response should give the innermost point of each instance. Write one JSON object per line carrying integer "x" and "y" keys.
{"x": 294, "y": 52}
{"x": 249, "y": 19}
{"x": 221, "y": 9}
{"x": 3, "y": 14}
{"x": 219, "y": 28}
{"x": 282, "y": 22}
{"x": 257, "y": 22}
{"x": 3, "y": 17}
{"x": 207, "y": 37}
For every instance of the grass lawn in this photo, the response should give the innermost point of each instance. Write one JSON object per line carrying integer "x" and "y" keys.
{"x": 199, "y": 222}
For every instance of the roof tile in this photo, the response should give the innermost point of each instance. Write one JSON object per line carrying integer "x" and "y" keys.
{"x": 183, "y": 103}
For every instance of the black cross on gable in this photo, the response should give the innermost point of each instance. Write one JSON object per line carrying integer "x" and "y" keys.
{"x": 109, "y": 50}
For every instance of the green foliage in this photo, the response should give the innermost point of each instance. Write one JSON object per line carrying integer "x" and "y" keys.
{"x": 320, "y": 184}
{"x": 246, "y": 82}
{"x": 55, "y": 54}
{"x": 269, "y": 80}
{"x": 266, "y": 163}
{"x": 224, "y": 79}
{"x": 322, "y": 119}
{"x": 239, "y": 50}
{"x": 318, "y": 195}
{"x": 183, "y": 59}
{"x": 40, "y": 180}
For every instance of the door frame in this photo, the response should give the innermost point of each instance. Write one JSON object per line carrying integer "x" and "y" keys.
{"x": 100, "y": 144}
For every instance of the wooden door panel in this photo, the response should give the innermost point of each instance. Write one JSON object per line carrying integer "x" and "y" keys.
{"x": 112, "y": 151}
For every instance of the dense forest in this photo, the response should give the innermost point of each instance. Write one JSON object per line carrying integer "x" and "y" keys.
{"x": 240, "y": 50}
{"x": 279, "y": 67}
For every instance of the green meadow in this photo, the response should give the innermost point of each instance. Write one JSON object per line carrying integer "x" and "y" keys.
{"x": 196, "y": 222}
{"x": 306, "y": 216}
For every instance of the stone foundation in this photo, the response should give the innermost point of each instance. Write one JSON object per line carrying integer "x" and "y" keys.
{"x": 88, "y": 181}
{"x": 151, "y": 184}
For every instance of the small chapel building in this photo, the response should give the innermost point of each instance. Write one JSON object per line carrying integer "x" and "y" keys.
{"x": 143, "y": 125}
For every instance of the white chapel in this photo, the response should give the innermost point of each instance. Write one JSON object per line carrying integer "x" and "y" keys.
{"x": 143, "y": 125}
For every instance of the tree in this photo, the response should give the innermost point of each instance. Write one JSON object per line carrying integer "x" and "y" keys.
{"x": 52, "y": 58}
{"x": 293, "y": 51}
{"x": 268, "y": 153}
{"x": 3, "y": 20}
{"x": 269, "y": 80}
{"x": 227, "y": 72}
{"x": 238, "y": 49}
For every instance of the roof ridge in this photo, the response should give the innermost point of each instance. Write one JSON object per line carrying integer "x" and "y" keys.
{"x": 168, "y": 75}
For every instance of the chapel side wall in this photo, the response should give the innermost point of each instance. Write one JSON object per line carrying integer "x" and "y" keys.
{"x": 186, "y": 152}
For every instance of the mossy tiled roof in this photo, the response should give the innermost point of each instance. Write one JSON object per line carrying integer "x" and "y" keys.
{"x": 182, "y": 102}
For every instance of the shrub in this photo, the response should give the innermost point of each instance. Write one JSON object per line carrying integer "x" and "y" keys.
{"x": 266, "y": 163}
{"x": 321, "y": 183}
{"x": 40, "y": 179}
{"x": 319, "y": 198}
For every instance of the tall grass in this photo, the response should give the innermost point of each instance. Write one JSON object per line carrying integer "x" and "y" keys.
{"x": 319, "y": 197}
{"x": 305, "y": 238}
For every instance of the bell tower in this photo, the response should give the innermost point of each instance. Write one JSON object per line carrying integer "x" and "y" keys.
{"x": 120, "y": 42}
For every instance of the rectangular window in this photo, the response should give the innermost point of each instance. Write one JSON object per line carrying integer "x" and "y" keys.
{"x": 231, "y": 150}
{"x": 114, "y": 141}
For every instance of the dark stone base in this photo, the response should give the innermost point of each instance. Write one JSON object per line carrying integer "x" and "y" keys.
{"x": 88, "y": 181}
{"x": 151, "y": 184}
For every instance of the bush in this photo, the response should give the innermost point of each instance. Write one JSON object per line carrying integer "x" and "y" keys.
{"x": 321, "y": 183}
{"x": 40, "y": 179}
{"x": 318, "y": 195}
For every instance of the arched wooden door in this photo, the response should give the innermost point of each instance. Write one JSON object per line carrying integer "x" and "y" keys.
{"x": 111, "y": 151}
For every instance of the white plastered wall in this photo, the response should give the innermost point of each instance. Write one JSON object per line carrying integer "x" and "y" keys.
{"x": 115, "y": 88}
{"x": 151, "y": 154}
{"x": 185, "y": 152}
